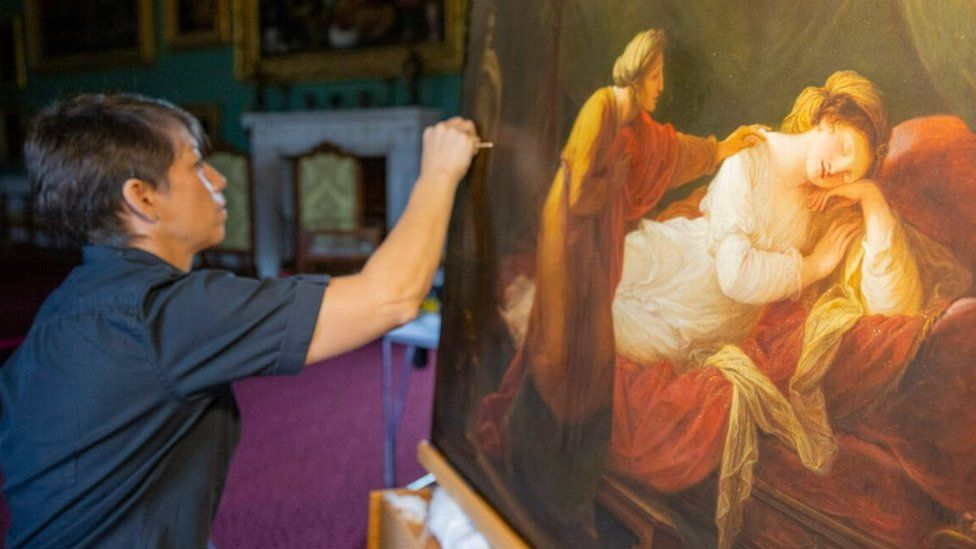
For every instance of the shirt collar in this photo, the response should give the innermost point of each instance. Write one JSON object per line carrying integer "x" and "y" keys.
{"x": 97, "y": 253}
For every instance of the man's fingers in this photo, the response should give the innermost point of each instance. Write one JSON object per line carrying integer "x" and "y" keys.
{"x": 462, "y": 125}
{"x": 452, "y": 130}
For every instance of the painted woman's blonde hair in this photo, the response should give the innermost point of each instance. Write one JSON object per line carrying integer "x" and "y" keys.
{"x": 642, "y": 50}
{"x": 845, "y": 98}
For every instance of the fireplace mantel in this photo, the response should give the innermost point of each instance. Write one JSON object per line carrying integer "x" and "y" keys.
{"x": 394, "y": 133}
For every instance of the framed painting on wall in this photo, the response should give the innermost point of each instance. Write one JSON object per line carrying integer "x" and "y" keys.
{"x": 88, "y": 34}
{"x": 337, "y": 39}
{"x": 13, "y": 64}
{"x": 196, "y": 23}
{"x": 210, "y": 117}
{"x": 712, "y": 285}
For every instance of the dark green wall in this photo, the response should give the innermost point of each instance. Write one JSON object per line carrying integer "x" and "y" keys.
{"x": 207, "y": 76}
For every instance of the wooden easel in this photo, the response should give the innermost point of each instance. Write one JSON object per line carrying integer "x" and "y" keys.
{"x": 493, "y": 527}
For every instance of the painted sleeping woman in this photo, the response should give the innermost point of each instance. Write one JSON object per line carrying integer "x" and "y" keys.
{"x": 778, "y": 223}
{"x": 760, "y": 238}
{"x": 776, "y": 226}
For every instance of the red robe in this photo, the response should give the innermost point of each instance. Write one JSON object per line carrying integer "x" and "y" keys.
{"x": 610, "y": 175}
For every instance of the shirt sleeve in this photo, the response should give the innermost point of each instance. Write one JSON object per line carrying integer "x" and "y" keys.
{"x": 696, "y": 157}
{"x": 750, "y": 275}
{"x": 890, "y": 282}
{"x": 209, "y": 328}
{"x": 746, "y": 272}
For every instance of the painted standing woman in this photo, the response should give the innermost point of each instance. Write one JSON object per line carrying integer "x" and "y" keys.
{"x": 616, "y": 165}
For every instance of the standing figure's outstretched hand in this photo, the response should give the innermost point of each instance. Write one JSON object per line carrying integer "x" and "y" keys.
{"x": 742, "y": 138}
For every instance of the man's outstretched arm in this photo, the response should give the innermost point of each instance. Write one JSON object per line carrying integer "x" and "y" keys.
{"x": 357, "y": 309}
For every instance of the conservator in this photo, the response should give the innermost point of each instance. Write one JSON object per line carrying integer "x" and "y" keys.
{"x": 118, "y": 420}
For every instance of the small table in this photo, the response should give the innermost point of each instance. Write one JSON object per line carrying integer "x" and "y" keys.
{"x": 424, "y": 333}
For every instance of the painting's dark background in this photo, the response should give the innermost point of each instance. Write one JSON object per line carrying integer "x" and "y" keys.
{"x": 729, "y": 62}
{"x": 8, "y": 52}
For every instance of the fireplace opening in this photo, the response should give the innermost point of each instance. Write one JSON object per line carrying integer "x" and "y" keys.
{"x": 374, "y": 191}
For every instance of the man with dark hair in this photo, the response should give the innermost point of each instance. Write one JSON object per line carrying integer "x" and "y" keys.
{"x": 118, "y": 419}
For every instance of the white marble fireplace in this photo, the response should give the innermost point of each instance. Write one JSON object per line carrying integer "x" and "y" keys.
{"x": 394, "y": 133}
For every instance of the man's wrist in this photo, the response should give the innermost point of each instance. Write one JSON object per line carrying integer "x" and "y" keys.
{"x": 438, "y": 178}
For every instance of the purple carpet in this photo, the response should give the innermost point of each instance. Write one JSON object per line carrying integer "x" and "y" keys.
{"x": 311, "y": 447}
{"x": 311, "y": 450}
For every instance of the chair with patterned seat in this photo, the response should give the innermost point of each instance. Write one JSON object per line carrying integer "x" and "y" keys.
{"x": 238, "y": 240}
{"x": 330, "y": 234}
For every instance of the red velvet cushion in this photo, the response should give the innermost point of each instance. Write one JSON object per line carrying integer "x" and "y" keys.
{"x": 929, "y": 178}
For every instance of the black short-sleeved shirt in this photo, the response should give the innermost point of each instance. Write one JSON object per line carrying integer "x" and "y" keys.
{"x": 118, "y": 420}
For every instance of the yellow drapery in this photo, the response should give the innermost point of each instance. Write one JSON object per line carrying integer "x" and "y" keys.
{"x": 800, "y": 421}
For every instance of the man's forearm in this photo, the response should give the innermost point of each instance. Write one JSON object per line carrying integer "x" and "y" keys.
{"x": 387, "y": 292}
{"x": 408, "y": 258}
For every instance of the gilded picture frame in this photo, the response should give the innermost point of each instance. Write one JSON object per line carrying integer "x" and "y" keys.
{"x": 13, "y": 59}
{"x": 443, "y": 56}
{"x": 59, "y": 37}
{"x": 195, "y": 24}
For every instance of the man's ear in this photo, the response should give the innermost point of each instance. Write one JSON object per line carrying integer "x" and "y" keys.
{"x": 140, "y": 199}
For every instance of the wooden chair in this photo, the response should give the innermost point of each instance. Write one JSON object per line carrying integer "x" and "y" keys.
{"x": 330, "y": 235}
{"x": 238, "y": 240}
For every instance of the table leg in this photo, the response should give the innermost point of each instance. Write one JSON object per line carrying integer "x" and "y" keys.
{"x": 389, "y": 431}
{"x": 408, "y": 356}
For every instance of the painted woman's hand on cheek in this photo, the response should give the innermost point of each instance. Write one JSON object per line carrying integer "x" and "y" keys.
{"x": 864, "y": 192}
{"x": 879, "y": 221}
{"x": 742, "y": 138}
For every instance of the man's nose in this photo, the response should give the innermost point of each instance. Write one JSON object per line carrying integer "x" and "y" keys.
{"x": 217, "y": 179}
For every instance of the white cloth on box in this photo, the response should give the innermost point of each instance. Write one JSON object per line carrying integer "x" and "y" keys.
{"x": 413, "y": 508}
{"x": 452, "y": 528}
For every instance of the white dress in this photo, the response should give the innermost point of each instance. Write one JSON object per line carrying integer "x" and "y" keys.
{"x": 691, "y": 286}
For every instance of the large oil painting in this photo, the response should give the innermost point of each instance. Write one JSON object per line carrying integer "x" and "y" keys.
{"x": 712, "y": 286}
